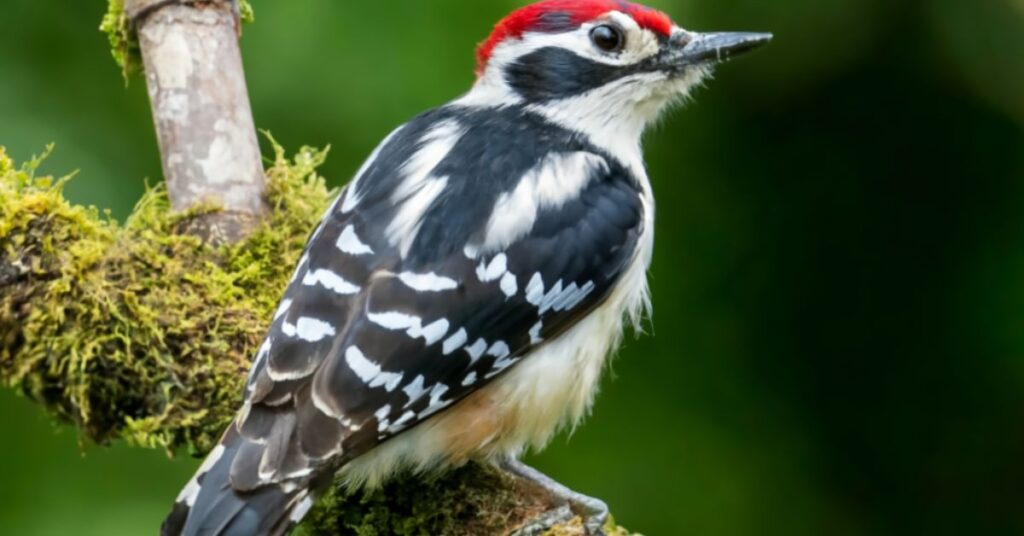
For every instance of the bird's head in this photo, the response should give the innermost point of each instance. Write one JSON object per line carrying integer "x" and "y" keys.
{"x": 598, "y": 64}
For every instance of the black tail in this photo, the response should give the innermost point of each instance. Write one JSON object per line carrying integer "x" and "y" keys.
{"x": 209, "y": 506}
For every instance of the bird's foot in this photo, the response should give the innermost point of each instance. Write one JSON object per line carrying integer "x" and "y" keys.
{"x": 593, "y": 511}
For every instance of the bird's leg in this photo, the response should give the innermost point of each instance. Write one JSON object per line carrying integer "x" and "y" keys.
{"x": 594, "y": 511}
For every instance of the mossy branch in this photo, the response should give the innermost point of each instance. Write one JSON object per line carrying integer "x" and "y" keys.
{"x": 142, "y": 333}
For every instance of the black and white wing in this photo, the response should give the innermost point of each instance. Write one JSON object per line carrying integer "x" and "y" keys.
{"x": 425, "y": 282}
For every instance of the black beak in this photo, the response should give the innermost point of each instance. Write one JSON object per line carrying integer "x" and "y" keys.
{"x": 691, "y": 49}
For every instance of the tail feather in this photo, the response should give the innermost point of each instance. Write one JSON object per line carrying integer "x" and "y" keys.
{"x": 209, "y": 506}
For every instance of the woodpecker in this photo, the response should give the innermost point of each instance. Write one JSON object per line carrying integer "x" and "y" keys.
{"x": 459, "y": 299}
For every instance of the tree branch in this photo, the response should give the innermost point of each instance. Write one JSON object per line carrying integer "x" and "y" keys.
{"x": 201, "y": 109}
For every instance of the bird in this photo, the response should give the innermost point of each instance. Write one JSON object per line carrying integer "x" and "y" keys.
{"x": 460, "y": 298}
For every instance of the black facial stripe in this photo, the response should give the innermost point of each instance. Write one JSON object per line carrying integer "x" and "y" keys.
{"x": 553, "y": 73}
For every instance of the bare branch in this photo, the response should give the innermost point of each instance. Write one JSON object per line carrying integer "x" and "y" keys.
{"x": 201, "y": 109}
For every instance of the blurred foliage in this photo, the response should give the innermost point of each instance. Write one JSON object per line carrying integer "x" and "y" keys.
{"x": 838, "y": 339}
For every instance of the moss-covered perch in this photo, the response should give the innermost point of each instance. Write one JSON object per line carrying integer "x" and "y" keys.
{"x": 137, "y": 332}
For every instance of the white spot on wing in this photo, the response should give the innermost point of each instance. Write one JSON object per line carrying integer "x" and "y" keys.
{"x": 412, "y": 324}
{"x": 499, "y": 349}
{"x": 330, "y": 281}
{"x": 428, "y": 282}
{"x": 504, "y": 361}
{"x": 580, "y": 295}
{"x": 432, "y": 332}
{"x": 550, "y": 297}
{"x": 476, "y": 351}
{"x": 491, "y": 272}
{"x": 509, "y": 285}
{"x": 415, "y": 390}
{"x": 313, "y": 330}
{"x": 455, "y": 341}
{"x": 470, "y": 379}
{"x": 350, "y": 243}
{"x": 393, "y": 320}
{"x": 562, "y": 299}
{"x": 535, "y": 289}
{"x": 500, "y": 365}
{"x": 369, "y": 371}
{"x": 418, "y": 190}
{"x": 365, "y": 369}
{"x": 548, "y": 185}
{"x": 436, "y": 404}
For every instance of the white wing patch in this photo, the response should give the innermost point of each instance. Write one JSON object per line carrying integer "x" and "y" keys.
{"x": 370, "y": 372}
{"x": 556, "y": 179}
{"x": 419, "y": 188}
{"x": 509, "y": 285}
{"x": 308, "y": 329}
{"x": 330, "y": 281}
{"x": 350, "y": 243}
{"x": 455, "y": 342}
{"x": 428, "y": 282}
{"x": 413, "y": 325}
{"x": 535, "y": 289}
{"x": 415, "y": 390}
{"x": 476, "y": 351}
{"x": 491, "y": 272}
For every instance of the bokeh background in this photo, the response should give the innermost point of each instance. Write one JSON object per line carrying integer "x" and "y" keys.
{"x": 838, "y": 343}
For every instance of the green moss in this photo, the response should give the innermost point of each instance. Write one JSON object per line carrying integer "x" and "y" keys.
{"x": 135, "y": 331}
{"x": 123, "y": 44}
{"x": 472, "y": 500}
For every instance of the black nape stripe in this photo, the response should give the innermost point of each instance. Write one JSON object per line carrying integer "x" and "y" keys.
{"x": 553, "y": 73}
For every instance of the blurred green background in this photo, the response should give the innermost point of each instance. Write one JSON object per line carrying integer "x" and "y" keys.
{"x": 838, "y": 343}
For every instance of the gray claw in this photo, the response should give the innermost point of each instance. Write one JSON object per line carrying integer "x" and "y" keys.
{"x": 593, "y": 511}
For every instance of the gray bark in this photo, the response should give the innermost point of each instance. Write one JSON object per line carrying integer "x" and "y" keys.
{"x": 208, "y": 144}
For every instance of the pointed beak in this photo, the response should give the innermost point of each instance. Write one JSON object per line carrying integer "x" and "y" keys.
{"x": 688, "y": 49}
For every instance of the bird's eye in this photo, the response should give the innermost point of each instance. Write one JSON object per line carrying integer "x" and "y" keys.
{"x": 607, "y": 38}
